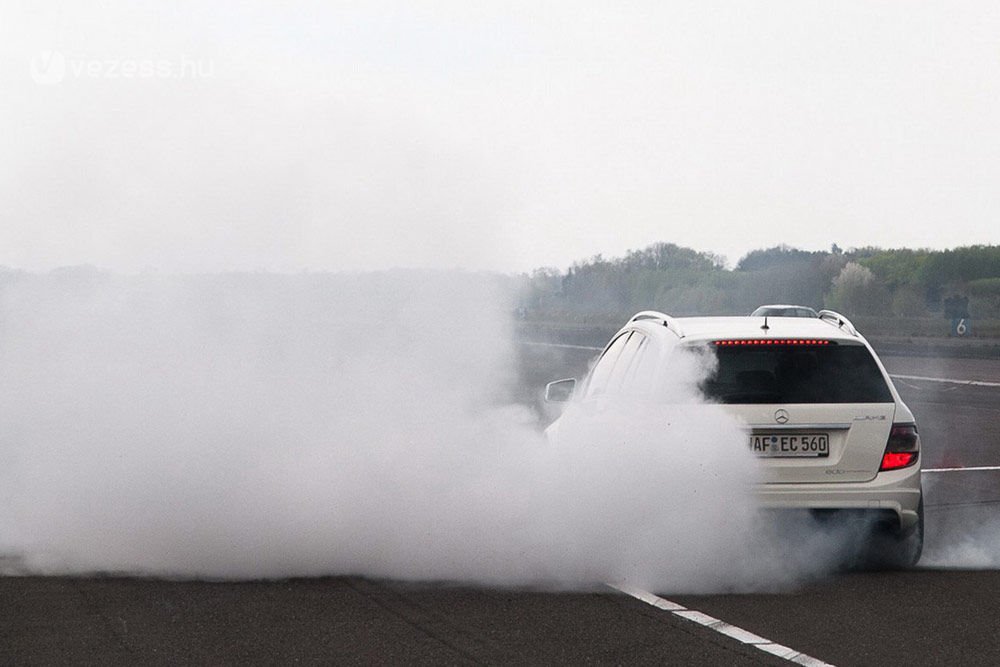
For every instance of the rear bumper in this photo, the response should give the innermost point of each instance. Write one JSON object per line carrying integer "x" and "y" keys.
{"x": 896, "y": 490}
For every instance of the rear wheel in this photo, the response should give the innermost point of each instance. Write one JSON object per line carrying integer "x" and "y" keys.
{"x": 893, "y": 548}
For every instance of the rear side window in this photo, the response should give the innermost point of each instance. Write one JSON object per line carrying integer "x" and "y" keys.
{"x": 796, "y": 374}
{"x": 626, "y": 361}
{"x": 601, "y": 375}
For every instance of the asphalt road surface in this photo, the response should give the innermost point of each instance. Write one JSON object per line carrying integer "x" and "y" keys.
{"x": 946, "y": 612}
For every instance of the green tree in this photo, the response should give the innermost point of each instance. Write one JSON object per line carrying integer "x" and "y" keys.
{"x": 855, "y": 291}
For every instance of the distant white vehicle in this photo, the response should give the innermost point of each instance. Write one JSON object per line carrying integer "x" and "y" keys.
{"x": 784, "y": 310}
{"x": 829, "y": 427}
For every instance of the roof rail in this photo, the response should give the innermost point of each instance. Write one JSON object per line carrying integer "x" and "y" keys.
{"x": 667, "y": 321}
{"x": 841, "y": 322}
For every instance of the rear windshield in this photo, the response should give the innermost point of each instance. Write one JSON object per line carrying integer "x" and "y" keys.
{"x": 796, "y": 374}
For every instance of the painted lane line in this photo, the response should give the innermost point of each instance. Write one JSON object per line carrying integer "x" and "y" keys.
{"x": 961, "y": 469}
{"x": 911, "y": 386}
{"x": 727, "y": 629}
{"x": 739, "y": 634}
{"x": 569, "y": 347}
{"x": 647, "y": 597}
{"x": 973, "y": 383}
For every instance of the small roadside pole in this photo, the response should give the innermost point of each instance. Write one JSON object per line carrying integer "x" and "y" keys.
{"x": 956, "y": 309}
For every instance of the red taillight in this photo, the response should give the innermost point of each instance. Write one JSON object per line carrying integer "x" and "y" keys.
{"x": 903, "y": 447}
{"x": 770, "y": 341}
{"x": 894, "y": 460}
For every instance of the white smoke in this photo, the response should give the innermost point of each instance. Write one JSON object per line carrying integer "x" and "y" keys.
{"x": 969, "y": 542}
{"x": 962, "y": 525}
{"x": 259, "y": 425}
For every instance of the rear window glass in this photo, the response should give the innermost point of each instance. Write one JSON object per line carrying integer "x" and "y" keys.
{"x": 796, "y": 374}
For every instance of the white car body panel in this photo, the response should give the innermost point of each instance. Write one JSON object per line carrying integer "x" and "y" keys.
{"x": 849, "y": 477}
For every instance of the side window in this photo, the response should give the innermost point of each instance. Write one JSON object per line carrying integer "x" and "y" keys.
{"x": 626, "y": 362}
{"x": 601, "y": 375}
{"x": 641, "y": 371}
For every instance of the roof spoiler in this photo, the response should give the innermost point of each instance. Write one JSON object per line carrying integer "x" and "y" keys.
{"x": 838, "y": 320}
{"x": 667, "y": 321}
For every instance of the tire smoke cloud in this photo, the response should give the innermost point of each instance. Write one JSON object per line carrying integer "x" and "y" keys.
{"x": 262, "y": 425}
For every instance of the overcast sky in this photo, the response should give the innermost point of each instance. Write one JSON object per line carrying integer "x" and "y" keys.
{"x": 198, "y": 136}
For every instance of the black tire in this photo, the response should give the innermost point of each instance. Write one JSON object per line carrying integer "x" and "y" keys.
{"x": 894, "y": 549}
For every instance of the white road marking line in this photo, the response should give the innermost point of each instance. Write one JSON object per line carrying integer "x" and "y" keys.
{"x": 961, "y": 469}
{"x": 911, "y": 386}
{"x": 727, "y": 629}
{"x": 974, "y": 383}
{"x": 570, "y": 347}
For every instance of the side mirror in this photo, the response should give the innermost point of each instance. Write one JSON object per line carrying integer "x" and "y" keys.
{"x": 560, "y": 391}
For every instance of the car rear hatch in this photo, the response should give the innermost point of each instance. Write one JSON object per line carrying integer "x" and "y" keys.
{"x": 818, "y": 443}
{"x": 818, "y": 411}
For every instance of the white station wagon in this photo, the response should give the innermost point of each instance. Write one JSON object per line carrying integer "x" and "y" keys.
{"x": 823, "y": 416}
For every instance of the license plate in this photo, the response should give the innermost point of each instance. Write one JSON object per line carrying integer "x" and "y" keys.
{"x": 775, "y": 445}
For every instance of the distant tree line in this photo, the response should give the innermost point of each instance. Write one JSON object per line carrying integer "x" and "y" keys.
{"x": 901, "y": 282}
